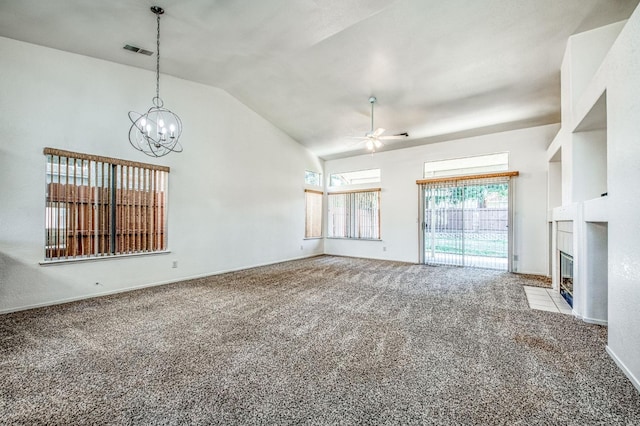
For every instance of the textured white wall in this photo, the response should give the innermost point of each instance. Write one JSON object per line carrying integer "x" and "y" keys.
{"x": 623, "y": 146}
{"x": 582, "y": 60}
{"x": 399, "y": 206}
{"x": 236, "y": 192}
{"x": 587, "y": 51}
{"x": 594, "y": 162}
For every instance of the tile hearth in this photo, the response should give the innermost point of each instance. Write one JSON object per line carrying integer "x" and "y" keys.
{"x": 546, "y": 299}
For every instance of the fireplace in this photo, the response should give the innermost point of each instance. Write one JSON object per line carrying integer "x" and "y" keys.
{"x": 566, "y": 277}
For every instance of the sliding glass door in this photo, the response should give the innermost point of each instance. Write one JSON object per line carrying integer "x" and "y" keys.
{"x": 466, "y": 222}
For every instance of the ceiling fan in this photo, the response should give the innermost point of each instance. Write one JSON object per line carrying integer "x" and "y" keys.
{"x": 374, "y": 138}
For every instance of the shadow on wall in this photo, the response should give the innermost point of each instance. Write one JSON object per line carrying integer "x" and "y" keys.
{"x": 23, "y": 285}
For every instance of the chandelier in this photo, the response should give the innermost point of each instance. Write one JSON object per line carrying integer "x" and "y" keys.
{"x": 157, "y": 131}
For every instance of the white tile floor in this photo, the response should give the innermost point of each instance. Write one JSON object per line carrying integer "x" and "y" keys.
{"x": 546, "y": 299}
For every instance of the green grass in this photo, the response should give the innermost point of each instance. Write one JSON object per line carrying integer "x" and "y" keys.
{"x": 476, "y": 244}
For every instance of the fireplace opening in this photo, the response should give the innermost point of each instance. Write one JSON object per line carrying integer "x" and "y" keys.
{"x": 566, "y": 277}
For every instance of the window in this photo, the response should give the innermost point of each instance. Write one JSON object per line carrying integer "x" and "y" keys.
{"x": 313, "y": 214}
{"x": 354, "y": 214}
{"x": 468, "y": 165}
{"x": 354, "y": 178}
{"x": 99, "y": 206}
{"x": 312, "y": 178}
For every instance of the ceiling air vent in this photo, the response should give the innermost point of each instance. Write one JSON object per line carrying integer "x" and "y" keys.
{"x": 137, "y": 50}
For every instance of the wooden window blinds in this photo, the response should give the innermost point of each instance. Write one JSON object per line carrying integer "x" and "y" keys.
{"x": 100, "y": 206}
{"x": 354, "y": 214}
{"x": 313, "y": 213}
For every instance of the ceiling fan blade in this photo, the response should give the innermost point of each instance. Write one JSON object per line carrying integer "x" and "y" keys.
{"x": 389, "y": 138}
{"x": 378, "y": 132}
{"x": 398, "y": 136}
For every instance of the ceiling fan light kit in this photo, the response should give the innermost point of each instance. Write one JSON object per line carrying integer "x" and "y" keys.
{"x": 373, "y": 137}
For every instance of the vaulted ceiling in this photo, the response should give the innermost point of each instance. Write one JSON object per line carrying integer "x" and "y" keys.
{"x": 440, "y": 69}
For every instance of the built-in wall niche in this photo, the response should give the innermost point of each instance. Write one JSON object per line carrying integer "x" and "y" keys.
{"x": 589, "y": 145}
{"x": 555, "y": 180}
{"x": 596, "y": 283}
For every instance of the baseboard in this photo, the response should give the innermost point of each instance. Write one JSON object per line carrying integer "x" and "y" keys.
{"x": 589, "y": 320}
{"x": 154, "y": 284}
{"x": 595, "y": 321}
{"x": 633, "y": 379}
{"x": 371, "y": 258}
{"x": 536, "y": 274}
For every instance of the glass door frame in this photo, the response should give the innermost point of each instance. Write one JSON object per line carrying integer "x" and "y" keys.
{"x": 510, "y": 215}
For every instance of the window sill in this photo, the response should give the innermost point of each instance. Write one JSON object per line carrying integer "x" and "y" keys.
{"x": 312, "y": 238}
{"x": 99, "y": 258}
{"x": 354, "y": 239}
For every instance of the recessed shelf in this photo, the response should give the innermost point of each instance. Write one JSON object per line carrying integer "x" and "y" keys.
{"x": 564, "y": 213}
{"x": 596, "y": 210}
{"x": 596, "y": 118}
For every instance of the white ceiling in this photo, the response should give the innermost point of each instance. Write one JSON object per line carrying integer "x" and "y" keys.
{"x": 440, "y": 69}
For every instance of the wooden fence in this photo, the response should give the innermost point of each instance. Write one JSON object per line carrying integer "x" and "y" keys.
{"x": 477, "y": 219}
{"x": 79, "y": 221}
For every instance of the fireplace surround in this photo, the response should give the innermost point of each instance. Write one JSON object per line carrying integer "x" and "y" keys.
{"x": 566, "y": 277}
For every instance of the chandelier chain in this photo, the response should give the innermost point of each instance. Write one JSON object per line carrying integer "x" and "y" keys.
{"x": 158, "y": 57}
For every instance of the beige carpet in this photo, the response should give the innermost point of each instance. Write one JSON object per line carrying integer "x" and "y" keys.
{"x": 326, "y": 340}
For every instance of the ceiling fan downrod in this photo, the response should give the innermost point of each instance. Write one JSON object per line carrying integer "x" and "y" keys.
{"x": 372, "y": 100}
